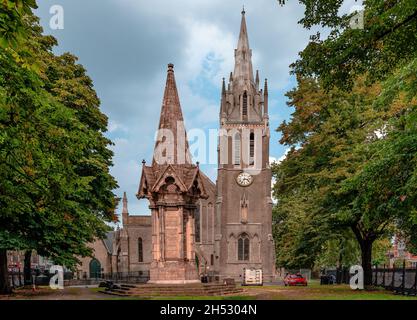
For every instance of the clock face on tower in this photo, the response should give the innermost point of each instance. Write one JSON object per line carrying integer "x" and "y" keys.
{"x": 244, "y": 179}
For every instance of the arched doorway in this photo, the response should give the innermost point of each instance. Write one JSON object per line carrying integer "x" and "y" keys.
{"x": 95, "y": 269}
{"x": 200, "y": 262}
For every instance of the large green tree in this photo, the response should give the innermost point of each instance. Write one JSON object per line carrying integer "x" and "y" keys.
{"x": 377, "y": 188}
{"x": 386, "y": 42}
{"x": 334, "y": 137}
{"x": 56, "y": 189}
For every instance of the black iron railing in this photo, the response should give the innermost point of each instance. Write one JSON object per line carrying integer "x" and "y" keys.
{"x": 399, "y": 280}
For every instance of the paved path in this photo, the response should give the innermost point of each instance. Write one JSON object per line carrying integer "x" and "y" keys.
{"x": 73, "y": 293}
{"x": 69, "y": 293}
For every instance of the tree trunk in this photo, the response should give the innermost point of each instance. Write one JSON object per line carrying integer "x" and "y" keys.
{"x": 365, "y": 243}
{"x": 366, "y": 252}
{"x": 27, "y": 269}
{"x": 4, "y": 273}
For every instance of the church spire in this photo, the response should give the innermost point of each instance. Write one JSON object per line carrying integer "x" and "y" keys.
{"x": 243, "y": 55}
{"x": 171, "y": 120}
{"x": 125, "y": 211}
{"x": 266, "y": 97}
{"x": 223, "y": 100}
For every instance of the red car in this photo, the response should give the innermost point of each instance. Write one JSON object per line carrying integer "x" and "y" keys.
{"x": 295, "y": 280}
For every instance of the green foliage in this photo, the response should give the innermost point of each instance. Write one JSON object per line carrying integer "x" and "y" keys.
{"x": 353, "y": 133}
{"x": 12, "y": 28}
{"x": 55, "y": 186}
{"x": 380, "y": 252}
{"x": 298, "y": 234}
{"x": 323, "y": 134}
{"x": 387, "y": 41}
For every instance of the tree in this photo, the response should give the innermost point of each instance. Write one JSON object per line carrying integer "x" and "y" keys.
{"x": 56, "y": 189}
{"x": 27, "y": 267}
{"x": 387, "y": 41}
{"x": 339, "y": 252}
{"x": 12, "y": 28}
{"x": 333, "y": 135}
{"x": 376, "y": 190}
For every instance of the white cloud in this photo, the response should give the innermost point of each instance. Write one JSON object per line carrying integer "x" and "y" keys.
{"x": 114, "y": 126}
{"x": 278, "y": 160}
{"x": 205, "y": 39}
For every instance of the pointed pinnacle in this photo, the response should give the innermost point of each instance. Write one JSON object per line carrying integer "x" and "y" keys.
{"x": 124, "y": 202}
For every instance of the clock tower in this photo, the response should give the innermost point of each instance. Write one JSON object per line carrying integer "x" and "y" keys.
{"x": 244, "y": 205}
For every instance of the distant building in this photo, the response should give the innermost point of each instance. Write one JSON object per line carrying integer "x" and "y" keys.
{"x": 16, "y": 260}
{"x": 399, "y": 253}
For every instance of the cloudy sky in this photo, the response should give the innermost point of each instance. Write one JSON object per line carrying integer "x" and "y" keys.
{"x": 126, "y": 45}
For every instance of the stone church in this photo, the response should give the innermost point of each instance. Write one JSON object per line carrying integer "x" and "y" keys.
{"x": 198, "y": 227}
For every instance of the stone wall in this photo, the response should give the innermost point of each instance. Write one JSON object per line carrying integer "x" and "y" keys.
{"x": 139, "y": 227}
{"x": 100, "y": 253}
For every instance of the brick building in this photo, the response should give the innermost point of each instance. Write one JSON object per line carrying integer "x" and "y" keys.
{"x": 399, "y": 253}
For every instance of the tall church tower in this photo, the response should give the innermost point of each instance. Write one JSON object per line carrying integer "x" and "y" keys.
{"x": 244, "y": 205}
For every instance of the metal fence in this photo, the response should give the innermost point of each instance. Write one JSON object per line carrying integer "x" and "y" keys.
{"x": 337, "y": 276}
{"x": 399, "y": 280}
{"x": 16, "y": 279}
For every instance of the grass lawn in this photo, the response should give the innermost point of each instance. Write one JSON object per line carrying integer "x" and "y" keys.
{"x": 314, "y": 291}
{"x": 240, "y": 297}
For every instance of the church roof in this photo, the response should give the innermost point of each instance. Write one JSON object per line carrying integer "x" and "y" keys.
{"x": 153, "y": 177}
{"x": 209, "y": 185}
{"x": 149, "y": 175}
{"x": 108, "y": 241}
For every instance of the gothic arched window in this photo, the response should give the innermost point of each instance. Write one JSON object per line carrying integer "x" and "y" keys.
{"x": 236, "y": 149}
{"x": 243, "y": 247}
{"x": 252, "y": 149}
{"x": 140, "y": 250}
{"x": 245, "y": 104}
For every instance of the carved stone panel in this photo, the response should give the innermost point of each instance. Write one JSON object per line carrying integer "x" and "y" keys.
{"x": 172, "y": 235}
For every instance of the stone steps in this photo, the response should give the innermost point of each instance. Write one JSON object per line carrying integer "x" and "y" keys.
{"x": 174, "y": 290}
{"x": 114, "y": 293}
{"x": 127, "y": 286}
